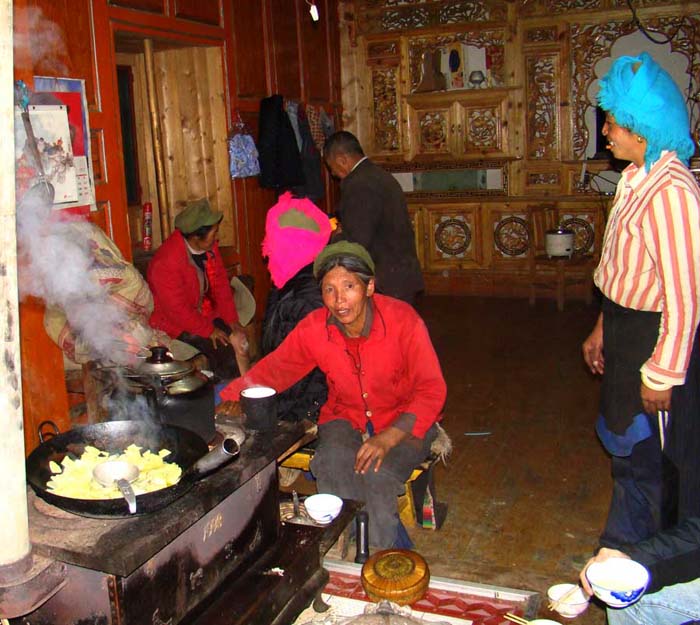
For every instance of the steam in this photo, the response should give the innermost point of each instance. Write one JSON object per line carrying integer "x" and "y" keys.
{"x": 41, "y": 40}
{"x": 57, "y": 267}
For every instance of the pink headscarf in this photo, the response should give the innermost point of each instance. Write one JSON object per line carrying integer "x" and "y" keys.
{"x": 289, "y": 247}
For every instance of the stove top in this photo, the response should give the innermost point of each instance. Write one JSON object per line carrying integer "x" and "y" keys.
{"x": 119, "y": 546}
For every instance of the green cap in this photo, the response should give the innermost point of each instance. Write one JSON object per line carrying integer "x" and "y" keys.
{"x": 342, "y": 248}
{"x": 195, "y": 215}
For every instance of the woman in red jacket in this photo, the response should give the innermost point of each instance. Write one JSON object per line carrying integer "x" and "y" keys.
{"x": 192, "y": 297}
{"x": 385, "y": 387}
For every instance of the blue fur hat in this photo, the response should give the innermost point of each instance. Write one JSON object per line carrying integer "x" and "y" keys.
{"x": 645, "y": 99}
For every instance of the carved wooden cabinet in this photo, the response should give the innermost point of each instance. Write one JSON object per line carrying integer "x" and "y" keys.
{"x": 461, "y": 124}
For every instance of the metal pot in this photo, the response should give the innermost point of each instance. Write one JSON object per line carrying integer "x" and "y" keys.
{"x": 559, "y": 242}
{"x": 176, "y": 393}
{"x": 188, "y": 450}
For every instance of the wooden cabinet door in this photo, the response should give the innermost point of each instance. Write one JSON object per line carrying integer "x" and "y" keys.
{"x": 416, "y": 214}
{"x": 453, "y": 238}
{"x": 481, "y": 123}
{"x": 432, "y": 130}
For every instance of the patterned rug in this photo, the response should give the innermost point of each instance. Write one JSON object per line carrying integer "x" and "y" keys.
{"x": 447, "y": 600}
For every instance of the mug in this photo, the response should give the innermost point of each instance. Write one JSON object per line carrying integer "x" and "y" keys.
{"x": 259, "y": 406}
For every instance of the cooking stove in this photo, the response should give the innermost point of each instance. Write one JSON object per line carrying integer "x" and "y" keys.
{"x": 218, "y": 554}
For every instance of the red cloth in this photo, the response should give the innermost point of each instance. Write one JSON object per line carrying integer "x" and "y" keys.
{"x": 172, "y": 277}
{"x": 399, "y": 371}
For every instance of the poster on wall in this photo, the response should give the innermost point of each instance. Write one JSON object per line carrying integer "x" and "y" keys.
{"x": 71, "y": 92}
{"x": 49, "y": 125}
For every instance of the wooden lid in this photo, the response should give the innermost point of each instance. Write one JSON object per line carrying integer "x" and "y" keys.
{"x": 399, "y": 575}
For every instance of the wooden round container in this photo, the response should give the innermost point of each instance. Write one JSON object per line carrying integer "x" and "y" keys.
{"x": 398, "y": 575}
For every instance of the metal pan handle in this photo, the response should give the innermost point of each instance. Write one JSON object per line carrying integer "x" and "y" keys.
{"x": 40, "y": 427}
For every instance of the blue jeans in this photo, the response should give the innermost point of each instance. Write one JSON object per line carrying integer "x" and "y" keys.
{"x": 671, "y": 605}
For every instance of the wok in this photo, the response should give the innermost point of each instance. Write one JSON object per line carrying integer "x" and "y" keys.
{"x": 188, "y": 450}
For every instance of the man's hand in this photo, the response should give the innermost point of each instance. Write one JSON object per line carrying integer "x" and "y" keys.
{"x": 376, "y": 448}
{"x": 593, "y": 348}
{"x": 218, "y": 336}
{"x": 601, "y": 556}
{"x": 655, "y": 401}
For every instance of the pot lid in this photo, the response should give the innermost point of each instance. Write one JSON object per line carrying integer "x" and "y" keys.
{"x": 560, "y": 230}
{"x": 161, "y": 363}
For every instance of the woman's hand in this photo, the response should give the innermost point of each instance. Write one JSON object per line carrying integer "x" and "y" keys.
{"x": 601, "y": 556}
{"x": 239, "y": 340}
{"x": 375, "y": 448}
{"x": 218, "y": 336}
{"x": 655, "y": 401}
{"x": 593, "y": 348}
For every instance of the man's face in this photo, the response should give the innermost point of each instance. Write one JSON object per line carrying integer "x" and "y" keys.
{"x": 340, "y": 165}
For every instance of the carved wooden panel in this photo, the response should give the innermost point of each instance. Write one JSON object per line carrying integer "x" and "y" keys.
{"x": 481, "y": 130}
{"x": 250, "y": 59}
{"x": 542, "y": 73}
{"x": 155, "y": 6}
{"x": 538, "y": 180}
{"x": 431, "y": 130}
{"x": 551, "y": 7}
{"x": 592, "y": 42}
{"x": 454, "y": 236}
{"x": 540, "y": 34}
{"x": 388, "y": 15}
{"x": 385, "y": 112}
{"x": 511, "y": 239}
{"x": 208, "y": 12}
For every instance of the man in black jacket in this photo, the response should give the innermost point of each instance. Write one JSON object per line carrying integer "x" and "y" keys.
{"x": 672, "y": 558}
{"x": 373, "y": 213}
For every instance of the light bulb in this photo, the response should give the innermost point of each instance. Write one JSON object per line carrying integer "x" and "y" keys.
{"x": 313, "y": 10}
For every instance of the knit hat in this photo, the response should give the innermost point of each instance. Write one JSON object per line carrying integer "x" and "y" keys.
{"x": 342, "y": 248}
{"x": 296, "y": 230}
{"x": 195, "y": 215}
{"x": 644, "y": 99}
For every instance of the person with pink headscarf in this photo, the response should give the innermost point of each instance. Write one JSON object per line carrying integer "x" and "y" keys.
{"x": 295, "y": 232}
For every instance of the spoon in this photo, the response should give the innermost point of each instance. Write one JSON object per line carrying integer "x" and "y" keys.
{"x": 121, "y": 473}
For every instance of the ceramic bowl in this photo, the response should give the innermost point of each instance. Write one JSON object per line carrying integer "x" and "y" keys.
{"x": 573, "y": 605}
{"x": 543, "y": 621}
{"x": 619, "y": 582}
{"x": 323, "y": 508}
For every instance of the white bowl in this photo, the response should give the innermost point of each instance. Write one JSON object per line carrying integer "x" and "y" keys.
{"x": 619, "y": 582}
{"x": 323, "y": 508}
{"x": 543, "y": 621}
{"x": 573, "y": 605}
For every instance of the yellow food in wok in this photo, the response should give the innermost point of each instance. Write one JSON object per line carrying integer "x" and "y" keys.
{"x": 73, "y": 477}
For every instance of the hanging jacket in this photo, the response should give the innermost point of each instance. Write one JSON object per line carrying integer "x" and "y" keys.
{"x": 280, "y": 162}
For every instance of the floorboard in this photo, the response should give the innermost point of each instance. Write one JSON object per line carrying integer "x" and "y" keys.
{"x": 526, "y": 501}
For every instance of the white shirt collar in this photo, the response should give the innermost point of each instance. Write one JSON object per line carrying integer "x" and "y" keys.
{"x": 364, "y": 158}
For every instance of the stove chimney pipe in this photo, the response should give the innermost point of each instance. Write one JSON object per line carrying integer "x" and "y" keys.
{"x": 14, "y": 530}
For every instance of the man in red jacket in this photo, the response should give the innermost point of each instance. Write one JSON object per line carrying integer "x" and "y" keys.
{"x": 192, "y": 297}
{"x": 385, "y": 387}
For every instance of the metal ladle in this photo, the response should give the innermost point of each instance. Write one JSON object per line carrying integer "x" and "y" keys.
{"x": 121, "y": 473}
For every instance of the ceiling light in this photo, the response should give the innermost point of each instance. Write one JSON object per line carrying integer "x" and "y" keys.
{"x": 313, "y": 9}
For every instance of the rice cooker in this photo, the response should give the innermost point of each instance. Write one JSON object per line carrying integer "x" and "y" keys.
{"x": 559, "y": 242}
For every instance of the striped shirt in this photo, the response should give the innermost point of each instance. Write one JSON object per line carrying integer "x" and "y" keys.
{"x": 651, "y": 258}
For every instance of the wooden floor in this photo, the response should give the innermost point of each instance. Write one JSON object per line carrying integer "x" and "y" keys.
{"x": 527, "y": 500}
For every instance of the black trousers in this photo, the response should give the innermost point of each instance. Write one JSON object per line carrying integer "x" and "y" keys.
{"x": 222, "y": 359}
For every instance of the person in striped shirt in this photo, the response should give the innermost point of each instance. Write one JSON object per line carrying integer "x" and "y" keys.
{"x": 644, "y": 343}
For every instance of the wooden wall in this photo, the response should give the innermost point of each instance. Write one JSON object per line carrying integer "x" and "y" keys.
{"x": 267, "y": 46}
